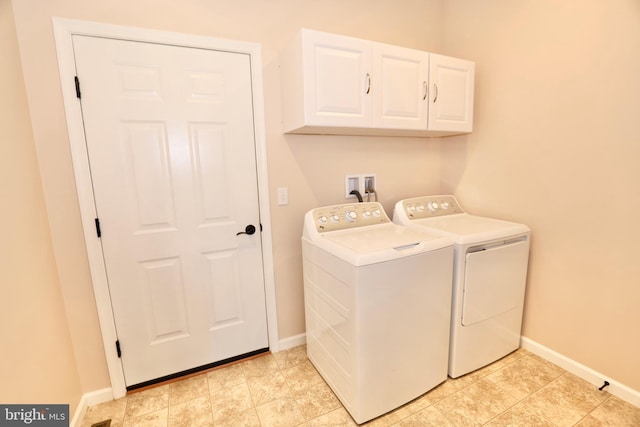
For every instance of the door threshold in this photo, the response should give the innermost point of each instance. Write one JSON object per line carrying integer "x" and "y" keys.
{"x": 178, "y": 376}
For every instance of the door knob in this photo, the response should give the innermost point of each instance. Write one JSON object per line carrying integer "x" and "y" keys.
{"x": 249, "y": 229}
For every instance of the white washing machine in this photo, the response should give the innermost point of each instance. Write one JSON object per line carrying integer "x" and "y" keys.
{"x": 377, "y": 305}
{"x": 489, "y": 277}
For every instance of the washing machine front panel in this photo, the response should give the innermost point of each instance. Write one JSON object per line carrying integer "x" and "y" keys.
{"x": 494, "y": 281}
{"x": 377, "y": 307}
{"x": 404, "y": 345}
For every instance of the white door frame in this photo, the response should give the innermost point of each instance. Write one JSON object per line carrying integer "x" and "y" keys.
{"x": 64, "y": 29}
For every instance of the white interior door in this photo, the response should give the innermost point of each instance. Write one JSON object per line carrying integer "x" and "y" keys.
{"x": 171, "y": 147}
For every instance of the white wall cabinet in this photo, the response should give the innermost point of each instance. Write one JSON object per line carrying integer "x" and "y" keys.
{"x": 334, "y": 84}
{"x": 327, "y": 76}
{"x": 451, "y": 98}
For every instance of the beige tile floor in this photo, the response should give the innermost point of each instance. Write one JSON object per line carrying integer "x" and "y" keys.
{"x": 284, "y": 389}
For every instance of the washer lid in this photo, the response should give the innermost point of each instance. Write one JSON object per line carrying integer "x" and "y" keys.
{"x": 464, "y": 228}
{"x": 379, "y": 243}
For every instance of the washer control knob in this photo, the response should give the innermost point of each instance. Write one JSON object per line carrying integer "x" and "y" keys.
{"x": 322, "y": 219}
{"x": 432, "y": 206}
{"x": 367, "y": 214}
{"x": 444, "y": 205}
{"x": 411, "y": 209}
{"x": 377, "y": 213}
{"x": 351, "y": 216}
{"x": 335, "y": 218}
{"x": 421, "y": 208}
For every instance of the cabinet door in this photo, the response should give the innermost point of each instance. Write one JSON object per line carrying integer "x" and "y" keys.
{"x": 337, "y": 80}
{"x": 451, "y": 94}
{"x": 399, "y": 86}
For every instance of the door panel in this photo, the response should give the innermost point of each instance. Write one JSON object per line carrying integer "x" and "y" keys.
{"x": 401, "y": 84}
{"x": 170, "y": 139}
{"x": 164, "y": 297}
{"x": 149, "y": 173}
{"x": 210, "y": 163}
{"x": 450, "y": 93}
{"x": 338, "y": 86}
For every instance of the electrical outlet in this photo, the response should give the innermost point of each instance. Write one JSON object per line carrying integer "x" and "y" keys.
{"x": 283, "y": 196}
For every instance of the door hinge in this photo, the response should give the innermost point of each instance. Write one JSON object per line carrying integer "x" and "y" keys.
{"x": 118, "y": 351}
{"x": 77, "y": 80}
{"x": 98, "y": 231}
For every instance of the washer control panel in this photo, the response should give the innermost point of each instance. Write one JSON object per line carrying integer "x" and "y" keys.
{"x": 431, "y": 206}
{"x": 339, "y": 217}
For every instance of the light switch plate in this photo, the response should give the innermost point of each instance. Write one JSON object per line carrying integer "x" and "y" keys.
{"x": 283, "y": 196}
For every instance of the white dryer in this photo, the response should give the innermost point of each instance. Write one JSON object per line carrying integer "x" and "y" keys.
{"x": 377, "y": 305}
{"x": 489, "y": 277}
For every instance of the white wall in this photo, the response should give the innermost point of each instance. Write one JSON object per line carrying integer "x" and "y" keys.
{"x": 37, "y": 362}
{"x": 556, "y": 147}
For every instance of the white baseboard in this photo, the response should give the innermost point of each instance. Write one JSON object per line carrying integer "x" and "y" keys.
{"x": 293, "y": 341}
{"x": 596, "y": 378}
{"x": 90, "y": 399}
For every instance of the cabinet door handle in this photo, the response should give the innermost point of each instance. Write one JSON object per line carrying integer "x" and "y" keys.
{"x": 368, "y": 83}
{"x": 435, "y": 88}
{"x": 425, "y": 88}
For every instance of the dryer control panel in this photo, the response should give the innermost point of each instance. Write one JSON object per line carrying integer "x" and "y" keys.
{"x": 339, "y": 217}
{"x": 431, "y": 206}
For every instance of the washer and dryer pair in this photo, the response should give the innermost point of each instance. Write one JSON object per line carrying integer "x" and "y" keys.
{"x": 393, "y": 307}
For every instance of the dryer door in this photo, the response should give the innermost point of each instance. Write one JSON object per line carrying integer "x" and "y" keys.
{"x": 495, "y": 279}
